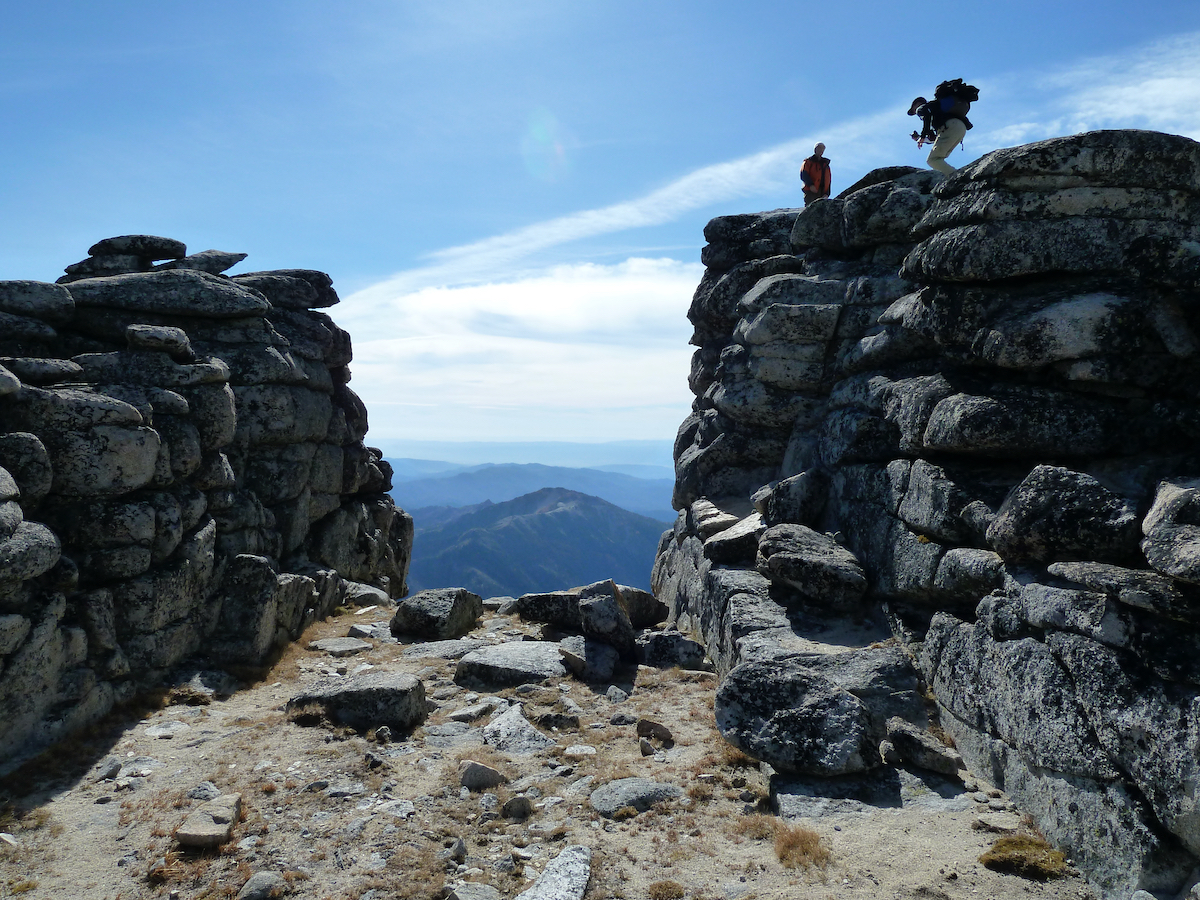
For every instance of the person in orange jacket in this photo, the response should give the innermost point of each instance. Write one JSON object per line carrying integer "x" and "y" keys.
{"x": 816, "y": 176}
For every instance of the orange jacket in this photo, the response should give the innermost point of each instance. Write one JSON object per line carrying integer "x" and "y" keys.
{"x": 816, "y": 176}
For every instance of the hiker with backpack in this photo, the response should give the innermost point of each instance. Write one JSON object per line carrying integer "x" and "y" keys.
{"x": 944, "y": 120}
{"x": 816, "y": 176}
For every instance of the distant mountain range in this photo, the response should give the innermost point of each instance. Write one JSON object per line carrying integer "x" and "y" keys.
{"x": 547, "y": 540}
{"x": 420, "y": 483}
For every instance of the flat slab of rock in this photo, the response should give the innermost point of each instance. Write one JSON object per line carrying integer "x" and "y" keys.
{"x": 640, "y": 793}
{"x": 346, "y": 646}
{"x": 513, "y": 733}
{"x": 565, "y": 878}
{"x": 437, "y": 615}
{"x": 367, "y": 700}
{"x": 442, "y": 649}
{"x": 510, "y": 664}
{"x": 212, "y": 824}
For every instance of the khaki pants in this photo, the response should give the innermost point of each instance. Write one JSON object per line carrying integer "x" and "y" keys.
{"x": 948, "y": 137}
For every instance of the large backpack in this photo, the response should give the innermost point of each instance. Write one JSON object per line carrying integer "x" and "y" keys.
{"x": 951, "y": 100}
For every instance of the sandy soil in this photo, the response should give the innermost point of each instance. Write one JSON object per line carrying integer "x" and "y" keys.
{"x": 320, "y": 804}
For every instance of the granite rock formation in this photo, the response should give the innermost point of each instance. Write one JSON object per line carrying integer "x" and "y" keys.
{"x": 966, "y": 408}
{"x": 182, "y": 473}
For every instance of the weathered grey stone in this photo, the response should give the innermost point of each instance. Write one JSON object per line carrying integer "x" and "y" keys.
{"x": 1138, "y": 588}
{"x": 638, "y": 793}
{"x": 509, "y": 664}
{"x": 39, "y": 299}
{"x": 172, "y": 341}
{"x": 262, "y": 885}
{"x": 794, "y": 718}
{"x": 738, "y": 543}
{"x": 182, "y": 292}
{"x": 643, "y": 608}
{"x": 442, "y": 649}
{"x": 146, "y": 246}
{"x": 812, "y": 563}
{"x": 475, "y": 776}
{"x": 1056, "y": 513}
{"x": 212, "y": 824}
{"x": 281, "y": 290}
{"x": 367, "y": 700}
{"x": 1172, "y": 543}
{"x": 344, "y": 646}
{"x": 30, "y": 551}
{"x": 474, "y": 890}
{"x": 511, "y": 732}
{"x": 319, "y": 281}
{"x": 602, "y": 617}
{"x": 564, "y": 878}
{"x": 32, "y": 370}
{"x": 13, "y": 630}
{"x": 214, "y": 262}
{"x": 24, "y": 456}
{"x": 589, "y": 660}
{"x": 437, "y": 614}
{"x": 148, "y": 367}
{"x": 559, "y": 608}
{"x": 922, "y": 749}
{"x": 671, "y": 649}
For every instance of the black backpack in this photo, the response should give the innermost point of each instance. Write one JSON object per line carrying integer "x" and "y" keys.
{"x": 933, "y": 116}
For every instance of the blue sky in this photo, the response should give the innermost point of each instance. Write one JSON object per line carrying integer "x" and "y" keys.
{"x": 510, "y": 195}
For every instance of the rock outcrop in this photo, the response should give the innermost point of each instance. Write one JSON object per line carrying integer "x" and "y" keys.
{"x": 182, "y": 472}
{"x": 966, "y": 407}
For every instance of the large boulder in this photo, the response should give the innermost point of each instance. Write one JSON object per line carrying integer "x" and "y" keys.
{"x": 437, "y": 615}
{"x": 366, "y": 701}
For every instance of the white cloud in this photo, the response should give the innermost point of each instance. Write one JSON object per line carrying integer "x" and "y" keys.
{"x": 480, "y": 346}
{"x": 575, "y": 353}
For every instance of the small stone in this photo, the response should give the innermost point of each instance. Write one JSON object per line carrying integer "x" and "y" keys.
{"x": 623, "y": 718}
{"x": 646, "y": 747}
{"x": 615, "y": 695}
{"x": 346, "y": 646}
{"x": 998, "y": 822}
{"x": 579, "y": 751}
{"x": 648, "y": 728}
{"x": 167, "y": 730}
{"x": 212, "y": 824}
{"x": 263, "y": 886}
{"x": 519, "y": 807}
{"x": 475, "y": 776}
{"x": 205, "y": 790}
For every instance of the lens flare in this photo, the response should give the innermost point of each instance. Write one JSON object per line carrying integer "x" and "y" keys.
{"x": 543, "y": 147}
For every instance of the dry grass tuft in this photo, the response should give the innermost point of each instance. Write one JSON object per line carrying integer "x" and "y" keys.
{"x": 799, "y": 847}
{"x": 1026, "y": 855}
{"x": 757, "y": 827}
{"x": 412, "y": 873}
{"x": 665, "y": 890}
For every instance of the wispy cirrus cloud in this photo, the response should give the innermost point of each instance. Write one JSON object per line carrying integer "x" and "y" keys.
{"x": 485, "y": 344}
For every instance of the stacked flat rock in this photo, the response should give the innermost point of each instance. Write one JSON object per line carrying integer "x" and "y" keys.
{"x": 184, "y": 472}
{"x": 969, "y": 402}
{"x": 122, "y": 255}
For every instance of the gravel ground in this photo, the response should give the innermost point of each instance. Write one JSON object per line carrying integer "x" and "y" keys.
{"x": 331, "y": 813}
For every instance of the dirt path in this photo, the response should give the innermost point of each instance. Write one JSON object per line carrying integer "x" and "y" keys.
{"x": 340, "y": 815}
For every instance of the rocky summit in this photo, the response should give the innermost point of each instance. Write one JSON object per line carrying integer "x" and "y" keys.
{"x": 961, "y": 415}
{"x": 935, "y": 577}
{"x": 182, "y": 473}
